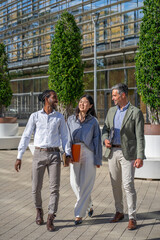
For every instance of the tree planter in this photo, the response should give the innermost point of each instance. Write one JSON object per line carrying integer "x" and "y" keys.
{"x": 151, "y": 167}
{"x": 9, "y": 138}
{"x": 8, "y": 119}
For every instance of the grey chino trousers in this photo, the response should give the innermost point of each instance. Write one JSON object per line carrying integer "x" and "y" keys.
{"x": 41, "y": 161}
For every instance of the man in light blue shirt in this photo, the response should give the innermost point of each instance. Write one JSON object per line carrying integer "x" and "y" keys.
{"x": 123, "y": 137}
{"x": 49, "y": 130}
{"x": 118, "y": 119}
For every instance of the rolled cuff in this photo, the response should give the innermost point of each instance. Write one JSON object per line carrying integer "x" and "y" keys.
{"x": 20, "y": 154}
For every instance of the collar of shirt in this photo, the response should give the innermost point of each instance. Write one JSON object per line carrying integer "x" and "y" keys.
{"x": 87, "y": 118}
{"x": 125, "y": 107}
{"x": 42, "y": 111}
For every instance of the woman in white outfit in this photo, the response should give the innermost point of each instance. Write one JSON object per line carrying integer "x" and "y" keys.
{"x": 83, "y": 129}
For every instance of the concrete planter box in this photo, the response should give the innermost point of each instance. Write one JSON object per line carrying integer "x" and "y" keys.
{"x": 151, "y": 167}
{"x": 9, "y": 138}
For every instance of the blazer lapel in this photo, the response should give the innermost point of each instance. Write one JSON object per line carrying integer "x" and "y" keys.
{"x": 128, "y": 113}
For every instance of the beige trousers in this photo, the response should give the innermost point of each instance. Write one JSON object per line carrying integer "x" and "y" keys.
{"x": 41, "y": 161}
{"x": 122, "y": 172}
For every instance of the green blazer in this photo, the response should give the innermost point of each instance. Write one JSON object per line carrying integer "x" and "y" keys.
{"x": 131, "y": 133}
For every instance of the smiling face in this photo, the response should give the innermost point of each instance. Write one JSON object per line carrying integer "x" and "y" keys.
{"x": 84, "y": 105}
{"x": 52, "y": 101}
{"x": 119, "y": 99}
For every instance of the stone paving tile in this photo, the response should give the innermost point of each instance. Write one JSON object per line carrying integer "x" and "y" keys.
{"x": 17, "y": 213}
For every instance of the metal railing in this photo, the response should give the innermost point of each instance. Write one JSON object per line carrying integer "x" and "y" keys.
{"x": 23, "y": 104}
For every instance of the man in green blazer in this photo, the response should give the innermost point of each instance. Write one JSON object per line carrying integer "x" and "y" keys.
{"x": 123, "y": 137}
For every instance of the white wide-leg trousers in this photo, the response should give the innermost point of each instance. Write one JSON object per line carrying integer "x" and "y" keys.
{"x": 82, "y": 178}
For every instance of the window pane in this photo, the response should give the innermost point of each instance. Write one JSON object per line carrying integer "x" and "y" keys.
{"x": 102, "y": 80}
{"x": 114, "y": 62}
{"x": 129, "y": 59}
{"x": 98, "y": 4}
{"x": 131, "y": 77}
{"x": 88, "y": 80}
{"x": 116, "y": 76}
{"x": 129, "y": 5}
{"x": 28, "y": 86}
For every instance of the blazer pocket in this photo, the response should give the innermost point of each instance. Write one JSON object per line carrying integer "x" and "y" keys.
{"x": 132, "y": 147}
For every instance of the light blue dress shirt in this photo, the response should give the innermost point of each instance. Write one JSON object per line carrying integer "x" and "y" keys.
{"x": 118, "y": 119}
{"x": 49, "y": 131}
{"x": 87, "y": 132}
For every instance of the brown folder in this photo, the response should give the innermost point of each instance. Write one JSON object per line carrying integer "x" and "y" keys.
{"x": 76, "y": 149}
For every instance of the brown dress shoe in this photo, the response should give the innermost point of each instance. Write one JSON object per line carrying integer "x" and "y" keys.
{"x": 39, "y": 217}
{"x": 132, "y": 224}
{"x": 117, "y": 217}
{"x": 50, "y": 225}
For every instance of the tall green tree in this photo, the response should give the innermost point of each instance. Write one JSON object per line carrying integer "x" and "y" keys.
{"x": 148, "y": 59}
{"x": 65, "y": 66}
{"x": 5, "y": 88}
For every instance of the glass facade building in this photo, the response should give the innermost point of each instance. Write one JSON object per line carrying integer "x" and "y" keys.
{"x": 27, "y": 28}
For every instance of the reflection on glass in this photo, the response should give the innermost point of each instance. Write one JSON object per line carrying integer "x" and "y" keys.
{"x": 115, "y": 8}
{"x": 97, "y": 4}
{"x": 129, "y": 5}
{"x": 101, "y": 80}
{"x": 131, "y": 96}
{"x": 115, "y": 20}
{"x": 116, "y": 76}
{"x": 115, "y": 61}
{"x": 88, "y": 80}
{"x": 87, "y": 38}
{"x": 44, "y": 84}
{"x": 104, "y": 12}
{"x": 129, "y": 17}
{"x": 89, "y": 65}
{"x": 100, "y": 63}
{"x": 128, "y": 29}
{"x": 115, "y": 32}
{"x": 129, "y": 59}
{"x": 14, "y": 87}
{"x": 86, "y": 7}
{"x": 131, "y": 77}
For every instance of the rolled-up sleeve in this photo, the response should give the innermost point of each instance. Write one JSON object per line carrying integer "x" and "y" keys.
{"x": 26, "y": 136}
{"x": 63, "y": 132}
{"x": 69, "y": 141}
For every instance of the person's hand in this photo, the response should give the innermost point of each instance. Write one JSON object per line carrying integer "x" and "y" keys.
{"x": 107, "y": 143}
{"x": 71, "y": 160}
{"x": 138, "y": 163}
{"x": 17, "y": 165}
{"x": 68, "y": 161}
{"x": 98, "y": 166}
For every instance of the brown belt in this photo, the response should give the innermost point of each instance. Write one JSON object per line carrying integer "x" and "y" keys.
{"x": 51, "y": 149}
{"x": 116, "y": 145}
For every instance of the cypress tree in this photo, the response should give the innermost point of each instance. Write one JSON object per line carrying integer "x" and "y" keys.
{"x": 148, "y": 59}
{"x": 5, "y": 88}
{"x": 65, "y": 66}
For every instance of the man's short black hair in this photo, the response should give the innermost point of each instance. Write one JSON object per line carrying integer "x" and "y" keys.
{"x": 44, "y": 94}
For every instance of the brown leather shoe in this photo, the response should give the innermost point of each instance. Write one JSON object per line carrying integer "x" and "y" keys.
{"x": 132, "y": 224}
{"x": 50, "y": 225}
{"x": 117, "y": 217}
{"x": 39, "y": 217}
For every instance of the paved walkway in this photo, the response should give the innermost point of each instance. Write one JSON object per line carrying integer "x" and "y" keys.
{"x": 17, "y": 213}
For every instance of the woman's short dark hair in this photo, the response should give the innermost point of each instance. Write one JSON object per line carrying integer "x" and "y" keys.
{"x": 91, "y": 111}
{"x": 44, "y": 94}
